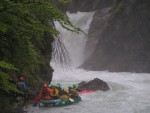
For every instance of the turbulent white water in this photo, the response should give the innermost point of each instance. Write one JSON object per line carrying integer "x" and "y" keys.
{"x": 75, "y": 42}
{"x": 129, "y": 92}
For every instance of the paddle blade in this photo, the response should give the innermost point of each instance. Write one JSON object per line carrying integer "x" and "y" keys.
{"x": 71, "y": 100}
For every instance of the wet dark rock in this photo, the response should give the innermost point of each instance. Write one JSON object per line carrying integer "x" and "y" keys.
{"x": 87, "y": 5}
{"x": 122, "y": 44}
{"x": 100, "y": 19}
{"x": 84, "y": 5}
{"x": 19, "y": 104}
{"x": 95, "y": 84}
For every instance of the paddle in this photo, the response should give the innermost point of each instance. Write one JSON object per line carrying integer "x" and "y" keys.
{"x": 71, "y": 100}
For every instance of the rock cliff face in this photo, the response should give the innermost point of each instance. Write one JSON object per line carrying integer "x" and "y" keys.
{"x": 119, "y": 37}
{"x": 45, "y": 71}
{"x": 87, "y": 5}
{"x": 124, "y": 43}
{"x": 100, "y": 19}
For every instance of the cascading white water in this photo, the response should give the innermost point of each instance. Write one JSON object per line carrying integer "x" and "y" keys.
{"x": 74, "y": 42}
{"x": 129, "y": 92}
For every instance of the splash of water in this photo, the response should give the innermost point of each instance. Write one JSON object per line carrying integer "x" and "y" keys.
{"x": 74, "y": 42}
{"x": 129, "y": 91}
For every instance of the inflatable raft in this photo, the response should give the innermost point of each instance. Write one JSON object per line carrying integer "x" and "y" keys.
{"x": 58, "y": 102}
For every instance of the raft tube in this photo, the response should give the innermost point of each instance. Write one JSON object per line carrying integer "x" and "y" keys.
{"x": 58, "y": 102}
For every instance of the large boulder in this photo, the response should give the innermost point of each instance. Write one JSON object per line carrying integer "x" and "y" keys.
{"x": 95, "y": 84}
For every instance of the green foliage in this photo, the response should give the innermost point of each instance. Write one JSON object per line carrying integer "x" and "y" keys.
{"x": 5, "y": 65}
{"x": 23, "y": 28}
{"x": 65, "y": 1}
{"x": 5, "y": 83}
{"x": 5, "y": 79}
{"x": 23, "y": 25}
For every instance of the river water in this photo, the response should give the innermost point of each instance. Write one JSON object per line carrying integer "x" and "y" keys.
{"x": 129, "y": 92}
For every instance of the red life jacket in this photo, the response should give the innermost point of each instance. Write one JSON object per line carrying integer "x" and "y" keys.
{"x": 45, "y": 92}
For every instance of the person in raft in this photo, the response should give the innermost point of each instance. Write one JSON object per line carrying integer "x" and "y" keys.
{"x": 45, "y": 93}
{"x": 73, "y": 93}
{"x": 54, "y": 92}
{"x": 64, "y": 94}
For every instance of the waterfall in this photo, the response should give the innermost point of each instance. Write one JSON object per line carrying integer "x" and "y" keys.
{"x": 129, "y": 92}
{"x": 74, "y": 42}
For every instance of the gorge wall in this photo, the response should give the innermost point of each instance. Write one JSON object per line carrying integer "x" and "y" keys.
{"x": 86, "y": 5}
{"x": 119, "y": 37}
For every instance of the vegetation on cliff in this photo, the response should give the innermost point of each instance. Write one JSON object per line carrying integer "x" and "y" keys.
{"x": 26, "y": 34}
